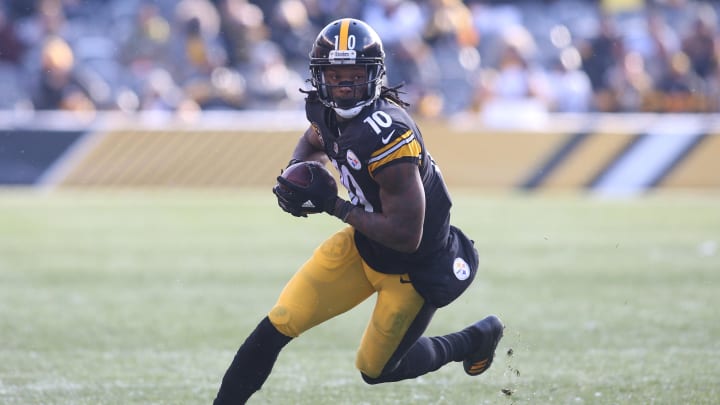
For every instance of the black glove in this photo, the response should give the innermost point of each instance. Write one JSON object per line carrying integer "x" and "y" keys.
{"x": 310, "y": 200}
{"x": 318, "y": 196}
{"x": 288, "y": 201}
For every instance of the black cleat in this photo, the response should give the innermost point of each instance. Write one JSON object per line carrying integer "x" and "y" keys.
{"x": 481, "y": 359}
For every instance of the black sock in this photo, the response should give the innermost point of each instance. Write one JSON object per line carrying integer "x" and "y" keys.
{"x": 428, "y": 354}
{"x": 455, "y": 346}
{"x": 252, "y": 364}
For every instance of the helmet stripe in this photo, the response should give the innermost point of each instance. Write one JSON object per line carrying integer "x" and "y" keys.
{"x": 344, "y": 28}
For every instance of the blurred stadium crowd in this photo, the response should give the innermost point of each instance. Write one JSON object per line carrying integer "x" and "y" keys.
{"x": 496, "y": 58}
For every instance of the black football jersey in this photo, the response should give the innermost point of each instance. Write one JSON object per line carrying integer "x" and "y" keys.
{"x": 381, "y": 135}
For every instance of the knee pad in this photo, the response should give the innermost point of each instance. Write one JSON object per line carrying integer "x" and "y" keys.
{"x": 369, "y": 380}
{"x": 281, "y": 319}
{"x": 367, "y": 370}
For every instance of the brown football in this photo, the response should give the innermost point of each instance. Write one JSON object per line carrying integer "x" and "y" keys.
{"x": 310, "y": 187}
{"x": 310, "y": 173}
{"x": 299, "y": 173}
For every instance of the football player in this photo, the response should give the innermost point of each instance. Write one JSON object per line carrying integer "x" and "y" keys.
{"x": 399, "y": 243}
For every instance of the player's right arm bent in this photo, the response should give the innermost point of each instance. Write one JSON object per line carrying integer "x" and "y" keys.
{"x": 400, "y": 224}
{"x": 309, "y": 147}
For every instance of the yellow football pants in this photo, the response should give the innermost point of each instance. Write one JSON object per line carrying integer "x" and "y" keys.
{"x": 334, "y": 280}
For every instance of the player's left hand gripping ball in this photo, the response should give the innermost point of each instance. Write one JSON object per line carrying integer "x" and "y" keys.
{"x": 306, "y": 188}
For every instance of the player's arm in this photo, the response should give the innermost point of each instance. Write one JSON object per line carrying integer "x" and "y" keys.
{"x": 291, "y": 197}
{"x": 400, "y": 224}
{"x": 309, "y": 147}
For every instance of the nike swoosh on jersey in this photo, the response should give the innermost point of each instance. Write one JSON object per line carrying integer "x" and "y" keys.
{"x": 386, "y": 139}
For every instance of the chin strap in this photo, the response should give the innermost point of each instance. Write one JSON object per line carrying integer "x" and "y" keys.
{"x": 348, "y": 113}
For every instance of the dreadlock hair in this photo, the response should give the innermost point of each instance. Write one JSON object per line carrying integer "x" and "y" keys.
{"x": 389, "y": 93}
{"x": 393, "y": 94}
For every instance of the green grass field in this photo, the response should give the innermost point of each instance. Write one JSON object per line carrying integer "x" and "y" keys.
{"x": 127, "y": 298}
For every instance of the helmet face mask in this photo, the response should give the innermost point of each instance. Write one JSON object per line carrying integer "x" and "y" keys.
{"x": 340, "y": 45}
{"x": 345, "y": 86}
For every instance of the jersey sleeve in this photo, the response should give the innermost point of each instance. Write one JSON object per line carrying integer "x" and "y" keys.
{"x": 398, "y": 144}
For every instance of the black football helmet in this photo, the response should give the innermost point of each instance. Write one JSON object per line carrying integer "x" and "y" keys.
{"x": 348, "y": 41}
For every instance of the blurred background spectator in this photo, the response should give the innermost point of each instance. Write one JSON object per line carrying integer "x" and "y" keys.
{"x": 570, "y": 89}
{"x": 516, "y": 85}
{"x": 488, "y": 57}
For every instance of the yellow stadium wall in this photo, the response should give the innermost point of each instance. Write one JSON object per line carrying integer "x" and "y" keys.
{"x": 468, "y": 159}
{"x": 182, "y": 159}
